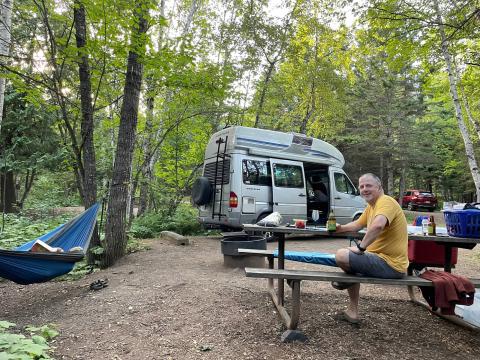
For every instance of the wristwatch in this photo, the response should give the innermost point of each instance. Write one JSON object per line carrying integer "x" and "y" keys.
{"x": 359, "y": 247}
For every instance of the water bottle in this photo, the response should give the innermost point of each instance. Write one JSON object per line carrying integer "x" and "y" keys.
{"x": 425, "y": 226}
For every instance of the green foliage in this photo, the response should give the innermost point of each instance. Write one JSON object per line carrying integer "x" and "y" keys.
{"x": 134, "y": 245}
{"x": 20, "y": 228}
{"x": 410, "y": 217}
{"x": 183, "y": 221}
{"x": 53, "y": 189}
{"x": 79, "y": 271}
{"x": 18, "y": 346}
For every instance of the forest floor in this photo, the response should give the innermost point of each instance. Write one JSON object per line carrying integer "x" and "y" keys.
{"x": 181, "y": 302}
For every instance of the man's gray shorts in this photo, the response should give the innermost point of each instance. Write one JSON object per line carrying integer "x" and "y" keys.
{"x": 370, "y": 264}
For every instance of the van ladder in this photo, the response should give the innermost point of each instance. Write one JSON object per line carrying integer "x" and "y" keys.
{"x": 221, "y": 156}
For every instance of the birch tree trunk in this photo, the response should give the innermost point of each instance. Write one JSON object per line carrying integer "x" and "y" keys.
{"x": 115, "y": 234}
{"x": 466, "y": 105}
{"x": 469, "y": 150}
{"x": 5, "y": 31}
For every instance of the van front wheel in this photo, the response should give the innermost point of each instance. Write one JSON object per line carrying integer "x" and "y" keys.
{"x": 356, "y": 217}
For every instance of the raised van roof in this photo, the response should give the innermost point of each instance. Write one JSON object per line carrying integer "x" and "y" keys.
{"x": 274, "y": 144}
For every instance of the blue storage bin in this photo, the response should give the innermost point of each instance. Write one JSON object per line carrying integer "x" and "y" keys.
{"x": 463, "y": 223}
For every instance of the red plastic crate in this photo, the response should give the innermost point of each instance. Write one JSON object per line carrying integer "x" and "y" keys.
{"x": 429, "y": 253}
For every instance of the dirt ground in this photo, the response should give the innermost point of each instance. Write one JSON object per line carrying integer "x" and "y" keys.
{"x": 181, "y": 302}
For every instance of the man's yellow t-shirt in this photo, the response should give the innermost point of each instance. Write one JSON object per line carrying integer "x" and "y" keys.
{"x": 392, "y": 243}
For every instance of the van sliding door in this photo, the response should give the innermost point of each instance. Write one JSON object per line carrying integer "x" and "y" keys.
{"x": 289, "y": 193}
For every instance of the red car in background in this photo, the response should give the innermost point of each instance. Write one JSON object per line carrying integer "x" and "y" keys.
{"x": 414, "y": 199}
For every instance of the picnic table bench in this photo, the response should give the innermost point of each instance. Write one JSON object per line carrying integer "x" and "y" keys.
{"x": 294, "y": 277}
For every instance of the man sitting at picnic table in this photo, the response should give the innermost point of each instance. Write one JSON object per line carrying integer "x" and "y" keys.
{"x": 383, "y": 251}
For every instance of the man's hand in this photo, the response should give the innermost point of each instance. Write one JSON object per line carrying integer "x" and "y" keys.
{"x": 350, "y": 227}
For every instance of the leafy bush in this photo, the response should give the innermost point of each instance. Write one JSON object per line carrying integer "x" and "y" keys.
{"x": 53, "y": 190}
{"x": 184, "y": 222}
{"x": 19, "y": 229}
{"x": 19, "y": 346}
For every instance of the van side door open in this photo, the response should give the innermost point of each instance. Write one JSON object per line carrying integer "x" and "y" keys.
{"x": 288, "y": 187}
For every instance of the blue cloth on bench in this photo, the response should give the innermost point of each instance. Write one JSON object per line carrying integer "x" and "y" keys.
{"x": 309, "y": 257}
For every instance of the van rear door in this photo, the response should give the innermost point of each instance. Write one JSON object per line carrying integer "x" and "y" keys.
{"x": 288, "y": 187}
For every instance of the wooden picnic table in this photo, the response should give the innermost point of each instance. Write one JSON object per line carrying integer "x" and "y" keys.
{"x": 279, "y": 232}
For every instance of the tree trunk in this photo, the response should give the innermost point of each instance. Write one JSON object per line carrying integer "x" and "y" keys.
{"x": 5, "y": 32}
{"x": 8, "y": 192}
{"x": 115, "y": 235}
{"x": 466, "y": 104}
{"x": 401, "y": 188}
{"x": 261, "y": 102}
{"x": 469, "y": 150}
{"x": 87, "y": 126}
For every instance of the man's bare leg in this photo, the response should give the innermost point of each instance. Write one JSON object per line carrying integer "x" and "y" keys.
{"x": 342, "y": 259}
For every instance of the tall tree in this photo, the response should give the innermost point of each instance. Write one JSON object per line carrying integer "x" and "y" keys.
{"x": 434, "y": 32}
{"x": 452, "y": 77}
{"x": 87, "y": 126}
{"x": 115, "y": 226}
{"x": 5, "y": 35}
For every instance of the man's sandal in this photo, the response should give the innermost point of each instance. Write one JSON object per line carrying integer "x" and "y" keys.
{"x": 99, "y": 284}
{"x": 341, "y": 285}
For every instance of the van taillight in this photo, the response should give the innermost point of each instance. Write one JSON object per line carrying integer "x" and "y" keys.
{"x": 233, "y": 200}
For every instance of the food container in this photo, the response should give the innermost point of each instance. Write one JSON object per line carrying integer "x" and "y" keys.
{"x": 300, "y": 223}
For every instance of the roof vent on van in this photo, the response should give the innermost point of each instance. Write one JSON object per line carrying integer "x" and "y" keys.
{"x": 302, "y": 140}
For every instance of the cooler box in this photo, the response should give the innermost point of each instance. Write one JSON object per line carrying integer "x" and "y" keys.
{"x": 427, "y": 253}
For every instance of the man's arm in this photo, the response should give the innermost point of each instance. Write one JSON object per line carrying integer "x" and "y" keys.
{"x": 353, "y": 226}
{"x": 375, "y": 228}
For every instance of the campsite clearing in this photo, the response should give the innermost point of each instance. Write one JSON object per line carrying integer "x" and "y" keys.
{"x": 180, "y": 302}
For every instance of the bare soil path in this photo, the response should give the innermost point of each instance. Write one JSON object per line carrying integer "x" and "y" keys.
{"x": 180, "y": 302}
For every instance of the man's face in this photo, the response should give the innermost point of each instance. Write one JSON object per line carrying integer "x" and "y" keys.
{"x": 369, "y": 189}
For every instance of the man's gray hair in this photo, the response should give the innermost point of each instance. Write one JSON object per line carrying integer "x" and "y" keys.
{"x": 374, "y": 177}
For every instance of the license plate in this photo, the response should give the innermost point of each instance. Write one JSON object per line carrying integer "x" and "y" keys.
{"x": 427, "y": 202}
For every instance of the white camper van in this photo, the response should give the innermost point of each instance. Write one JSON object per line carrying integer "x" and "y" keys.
{"x": 249, "y": 173}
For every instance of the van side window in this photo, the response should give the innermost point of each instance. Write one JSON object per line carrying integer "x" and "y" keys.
{"x": 289, "y": 176}
{"x": 343, "y": 184}
{"x": 220, "y": 168}
{"x": 256, "y": 172}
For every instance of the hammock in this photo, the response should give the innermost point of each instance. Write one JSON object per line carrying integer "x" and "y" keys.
{"x": 309, "y": 257}
{"x": 25, "y": 267}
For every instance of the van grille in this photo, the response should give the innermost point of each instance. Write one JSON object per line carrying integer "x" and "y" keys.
{"x": 209, "y": 172}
